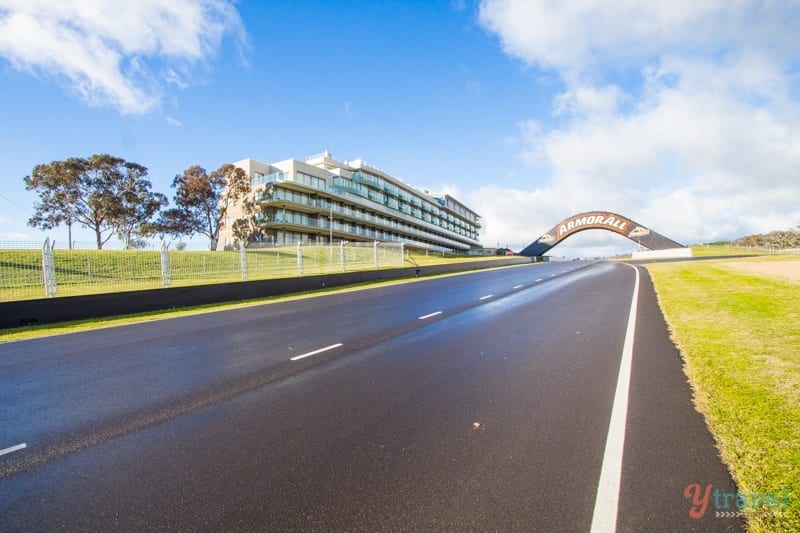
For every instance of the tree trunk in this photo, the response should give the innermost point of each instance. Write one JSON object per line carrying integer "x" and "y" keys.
{"x": 211, "y": 235}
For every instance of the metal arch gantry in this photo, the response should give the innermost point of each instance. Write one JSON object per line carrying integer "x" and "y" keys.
{"x": 599, "y": 220}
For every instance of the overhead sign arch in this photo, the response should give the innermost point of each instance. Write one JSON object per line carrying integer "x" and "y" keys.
{"x": 599, "y": 220}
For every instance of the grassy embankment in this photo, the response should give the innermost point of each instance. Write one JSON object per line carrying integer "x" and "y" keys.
{"x": 706, "y": 250}
{"x": 92, "y": 272}
{"x": 739, "y": 334}
{"x": 27, "y": 332}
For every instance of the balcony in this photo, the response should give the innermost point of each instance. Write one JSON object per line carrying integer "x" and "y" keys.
{"x": 438, "y": 233}
{"x": 271, "y": 178}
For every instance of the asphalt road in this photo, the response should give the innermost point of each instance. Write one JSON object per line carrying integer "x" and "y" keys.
{"x": 474, "y": 402}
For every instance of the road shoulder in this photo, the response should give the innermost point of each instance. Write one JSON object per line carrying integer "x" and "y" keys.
{"x": 669, "y": 451}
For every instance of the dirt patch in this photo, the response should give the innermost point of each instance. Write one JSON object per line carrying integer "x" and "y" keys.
{"x": 782, "y": 269}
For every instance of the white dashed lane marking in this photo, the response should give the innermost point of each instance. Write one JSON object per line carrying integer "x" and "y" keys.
{"x": 13, "y": 449}
{"x": 315, "y": 352}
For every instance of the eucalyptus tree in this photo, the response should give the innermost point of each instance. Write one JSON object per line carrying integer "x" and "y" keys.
{"x": 202, "y": 201}
{"x": 250, "y": 227}
{"x": 103, "y": 193}
{"x": 138, "y": 206}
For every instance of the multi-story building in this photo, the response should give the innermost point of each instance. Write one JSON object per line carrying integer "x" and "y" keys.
{"x": 321, "y": 200}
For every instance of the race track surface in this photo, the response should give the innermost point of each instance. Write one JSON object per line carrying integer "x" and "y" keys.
{"x": 465, "y": 403}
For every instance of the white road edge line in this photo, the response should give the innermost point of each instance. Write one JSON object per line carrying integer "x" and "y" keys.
{"x": 423, "y": 317}
{"x": 606, "y": 503}
{"x": 486, "y": 297}
{"x": 315, "y": 352}
{"x": 517, "y": 286}
{"x": 13, "y": 448}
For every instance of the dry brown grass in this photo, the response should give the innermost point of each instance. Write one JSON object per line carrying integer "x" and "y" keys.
{"x": 786, "y": 268}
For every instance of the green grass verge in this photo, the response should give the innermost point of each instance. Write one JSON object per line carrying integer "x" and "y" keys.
{"x": 711, "y": 250}
{"x": 739, "y": 335}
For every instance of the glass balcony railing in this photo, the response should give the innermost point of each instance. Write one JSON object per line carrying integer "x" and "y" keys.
{"x": 321, "y": 222}
{"x": 270, "y": 178}
{"x": 442, "y": 226}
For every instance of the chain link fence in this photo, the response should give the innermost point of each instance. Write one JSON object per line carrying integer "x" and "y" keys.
{"x": 40, "y": 270}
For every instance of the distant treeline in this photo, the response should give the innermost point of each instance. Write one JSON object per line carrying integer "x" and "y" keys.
{"x": 774, "y": 239}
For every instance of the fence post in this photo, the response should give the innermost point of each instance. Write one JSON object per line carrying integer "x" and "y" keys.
{"x": 341, "y": 254}
{"x": 165, "y": 270}
{"x": 375, "y": 253}
{"x": 243, "y": 261}
{"x": 49, "y": 268}
{"x": 300, "y": 258}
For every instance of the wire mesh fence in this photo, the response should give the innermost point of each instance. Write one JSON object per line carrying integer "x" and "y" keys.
{"x": 48, "y": 271}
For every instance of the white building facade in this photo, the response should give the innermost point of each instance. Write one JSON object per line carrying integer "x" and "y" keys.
{"x": 321, "y": 200}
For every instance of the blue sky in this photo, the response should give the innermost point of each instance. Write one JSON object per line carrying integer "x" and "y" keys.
{"x": 683, "y": 115}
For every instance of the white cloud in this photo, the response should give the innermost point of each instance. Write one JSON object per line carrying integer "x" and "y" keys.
{"x": 704, "y": 144}
{"x": 576, "y": 36}
{"x": 174, "y": 122}
{"x": 117, "y": 54}
{"x": 583, "y": 100}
